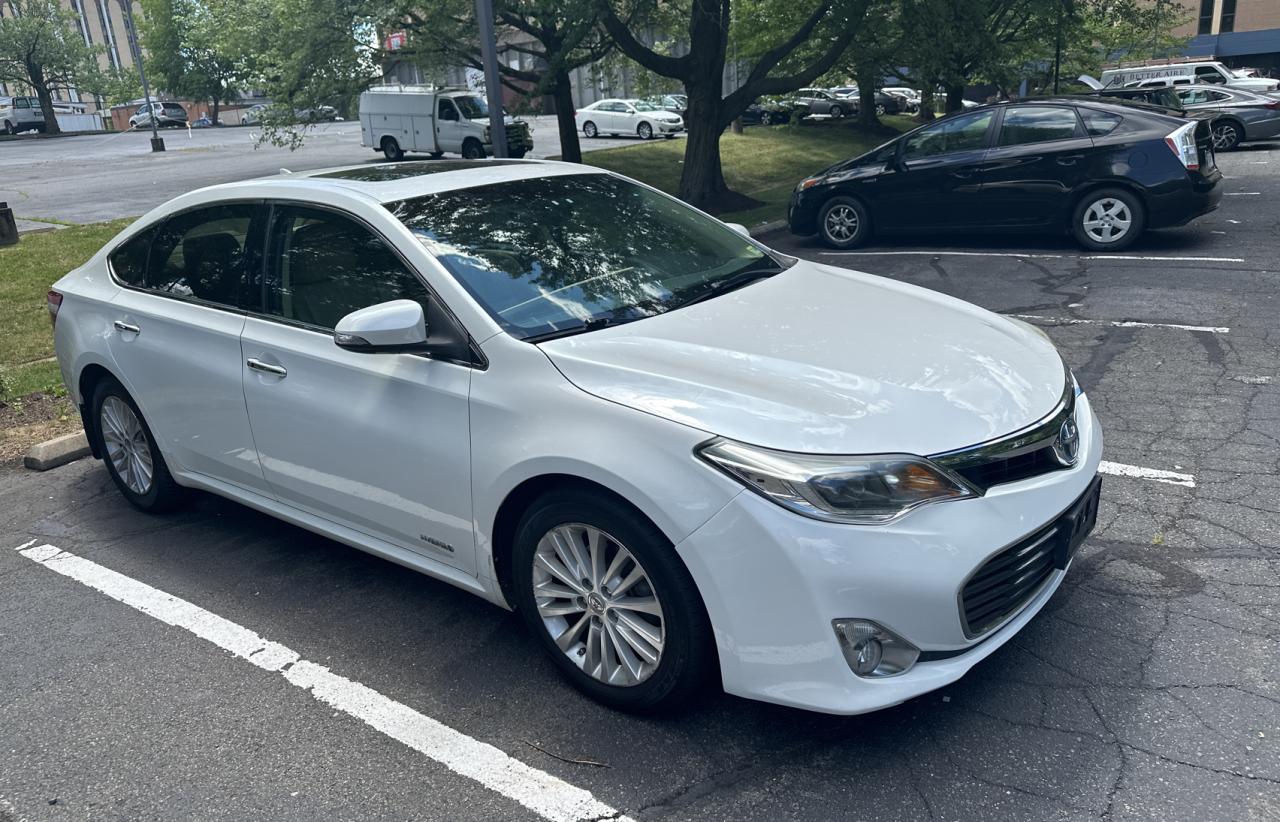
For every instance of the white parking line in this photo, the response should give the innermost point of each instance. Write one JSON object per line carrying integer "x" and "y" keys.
{"x": 1212, "y": 329}
{"x": 939, "y": 253}
{"x": 1119, "y": 469}
{"x": 540, "y": 792}
{"x": 1242, "y": 193}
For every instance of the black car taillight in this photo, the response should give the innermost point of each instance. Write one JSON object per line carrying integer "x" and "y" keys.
{"x": 1182, "y": 142}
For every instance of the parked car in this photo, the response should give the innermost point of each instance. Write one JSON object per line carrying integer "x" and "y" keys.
{"x": 771, "y": 111}
{"x": 615, "y": 117}
{"x": 395, "y": 120}
{"x": 675, "y": 103}
{"x": 1238, "y": 116}
{"x": 319, "y": 114}
{"x": 910, "y": 95}
{"x": 844, "y": 91}
{"x": 574, "y": 395}
{"x": 886, "y": 103}
{"x": 1103, "y": 172}
{"x": 167, "y": 115}
{"x": 253, "y": 115}
{"x": 818, "y": 101}
{"x": 19, "y": 114}
{"x": 1186, "y": 72}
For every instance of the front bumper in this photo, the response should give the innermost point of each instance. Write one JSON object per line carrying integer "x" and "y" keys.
{"x": 802, "y": 210}
{"x": 773, "y": 582}
{"x": 668, "y": 128}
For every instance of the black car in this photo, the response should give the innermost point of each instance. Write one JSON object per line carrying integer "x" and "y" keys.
{"x": 770, "y": 111}
{"x": 674, "y": 103}
{"x": 1102, "y": 171}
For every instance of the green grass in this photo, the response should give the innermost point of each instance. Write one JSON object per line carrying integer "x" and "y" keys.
{"x": 762, "y": 163}
{"x": 26, "y": 272}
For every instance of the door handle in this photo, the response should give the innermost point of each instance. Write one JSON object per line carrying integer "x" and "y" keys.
{"x": 1070, "y": 159}
{"x": 266, "y": 367}
{"x": 121, "y": 325}
{"x": 962, "y": 175}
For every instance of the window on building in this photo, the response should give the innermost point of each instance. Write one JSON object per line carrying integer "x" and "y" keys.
{"x": 1228, "y": 16}
{"x": 1206, "y": 17}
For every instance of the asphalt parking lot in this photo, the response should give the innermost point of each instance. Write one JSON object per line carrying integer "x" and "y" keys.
{"x": 1149, "y": 688}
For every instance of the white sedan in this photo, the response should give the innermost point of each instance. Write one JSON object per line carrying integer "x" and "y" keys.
{"x": 683, "y": 457}
{"x": 615, "y": 117}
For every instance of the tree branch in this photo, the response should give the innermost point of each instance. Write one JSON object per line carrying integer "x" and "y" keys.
{"x": 676, "y": 67}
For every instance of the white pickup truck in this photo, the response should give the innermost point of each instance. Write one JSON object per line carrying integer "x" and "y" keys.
{"x": 396, "y": 120}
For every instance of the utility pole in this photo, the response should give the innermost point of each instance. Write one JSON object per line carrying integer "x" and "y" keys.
{"x": 492, "y": 83}
{"x": 157, "y": 142}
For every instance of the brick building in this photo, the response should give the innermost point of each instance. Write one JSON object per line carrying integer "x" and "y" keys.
{"x": 1241, "y": 33}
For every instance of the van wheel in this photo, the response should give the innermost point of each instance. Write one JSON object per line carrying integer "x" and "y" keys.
{"x": 1108, "y": 220}
{"x": 472, "y": 149}
{"x": 391, "y": 149}
{"x": 8, "y": 128}
{"x": 1227, "y": 134}
{"x": 129, "y": 450}
{"x": 645, "y": 131}
{"x": 589, "y": 129}
{"x": 844, "y": 223}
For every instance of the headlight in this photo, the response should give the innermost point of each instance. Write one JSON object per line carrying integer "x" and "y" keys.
{"x": 486, "y": 135}
{"x": 867, "y": 490}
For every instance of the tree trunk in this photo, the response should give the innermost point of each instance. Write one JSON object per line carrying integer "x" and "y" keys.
{"x": 866, "y": 77}
{"x": 926, "y": 103}
{"x": 213, "y": 113}
{"x": 562, "y": 93}
{"x": 36, "y": 73}
{"x": 736, "y": 125}
{"x": 955, "y": 97}
{"x": 702, "y": 182}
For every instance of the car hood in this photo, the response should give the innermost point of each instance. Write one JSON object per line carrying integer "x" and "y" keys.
{"x": 824, "y": 360}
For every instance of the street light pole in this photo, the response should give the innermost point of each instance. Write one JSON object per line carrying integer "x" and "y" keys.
{"x": 157, "y": 142}
{"x": 492, "y": 83}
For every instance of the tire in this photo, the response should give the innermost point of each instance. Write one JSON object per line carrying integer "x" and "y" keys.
{"x": 517, "y": 155}
{"x": 472, "y": 149}
{"x": 766, "y": 119}
{"x": 1227, "y": 134}
{"x": 9, "y": 129}
{"x": 669, "y": 136}
{"x": 836, "y": 112}
{"x": 879, "y": 109}
{"x": 391, "y": 149}
{"x": 843, "y": 222}
{"x": 1108, "y": 219}
{"x": 122, "y": 440}
{"x": 436, "y": 155}
{"x": 687, "y": 654}
{"x": 645, "y": 131}
{"x": 589, "y": 129}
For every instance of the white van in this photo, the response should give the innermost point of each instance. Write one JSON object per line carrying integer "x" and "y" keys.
{"x": 18, "y": 114}
{"x": 397, "y": 119}
{"x": 1184, "y": 73}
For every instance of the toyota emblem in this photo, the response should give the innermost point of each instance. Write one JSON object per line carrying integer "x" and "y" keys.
{"x": 1066, "y": 448}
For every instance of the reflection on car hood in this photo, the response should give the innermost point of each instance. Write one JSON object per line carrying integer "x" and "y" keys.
{"x": 824, "y": 360}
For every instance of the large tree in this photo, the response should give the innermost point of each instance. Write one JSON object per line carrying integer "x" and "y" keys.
{"x": 813, "y": 37}
{"x": 41, "y": 48}
{"x": 194, "y": 50}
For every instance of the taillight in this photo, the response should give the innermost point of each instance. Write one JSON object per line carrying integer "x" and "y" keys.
{"x": 1272, "y": 105}
{"x": 1182, "y": 142}
{"x": 54, "y": 301}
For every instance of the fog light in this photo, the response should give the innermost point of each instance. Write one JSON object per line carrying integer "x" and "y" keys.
{"x": 872, "y": 650}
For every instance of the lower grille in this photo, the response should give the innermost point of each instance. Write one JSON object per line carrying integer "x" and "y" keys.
{"x": 1007, "y": 581}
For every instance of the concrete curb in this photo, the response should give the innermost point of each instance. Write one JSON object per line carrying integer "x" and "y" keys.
{"x": 57, "y": 451}
{"x": 765, "y": 228}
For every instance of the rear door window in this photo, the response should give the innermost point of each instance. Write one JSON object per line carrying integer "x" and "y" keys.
{"x": 129, "y": 261}
{"x": 204, "y": 255}
{"x": 1038, "y": 124}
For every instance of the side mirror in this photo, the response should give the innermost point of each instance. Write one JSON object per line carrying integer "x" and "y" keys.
{"x": 740, "y": 228}
{"x": 399, "y": 325}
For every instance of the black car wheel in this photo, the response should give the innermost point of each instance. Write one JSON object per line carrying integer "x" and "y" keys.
{"x": 391, "y": 149}
{"x": 1108, "y": 220}
{"x": 880, "y": 108}
{"x": 1227, "y": 134}
{"x": 589, "y": 129}
{"x": 844, "y": 223}
{"x": 766, "y": 119}
{"x": 836, "y": 112}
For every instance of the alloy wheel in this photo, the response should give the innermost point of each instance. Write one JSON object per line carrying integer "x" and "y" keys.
{"x": 841, "y": 223}
{"x": 589, "y": 129}
{"x": 126, "y": 444}
{"x": 598, "y": 604}
{"x": 1225, "y": 137}
{"x": 1107, "y": 220}
{"x": 646, "y": 131}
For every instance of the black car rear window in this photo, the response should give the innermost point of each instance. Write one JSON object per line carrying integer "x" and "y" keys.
{"x": 1098, "y": 123}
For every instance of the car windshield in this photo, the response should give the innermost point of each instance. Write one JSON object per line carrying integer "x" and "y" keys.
{"x": 641, "y": 105}
{"x": 472, "y": 108}
{"x": 571, "y": 252}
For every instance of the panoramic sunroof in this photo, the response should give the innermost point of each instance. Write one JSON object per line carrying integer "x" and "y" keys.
{"x": 390, "y": 172}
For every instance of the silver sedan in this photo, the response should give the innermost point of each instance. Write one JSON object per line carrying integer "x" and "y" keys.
{"x": 1242, "y": 116}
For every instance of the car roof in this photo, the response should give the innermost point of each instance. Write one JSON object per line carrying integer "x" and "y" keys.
{"x": 389, "y": 182}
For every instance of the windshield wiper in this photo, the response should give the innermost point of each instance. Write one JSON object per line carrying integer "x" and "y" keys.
{"x": 589, "y": 325}
{"x": 731, "y": 283}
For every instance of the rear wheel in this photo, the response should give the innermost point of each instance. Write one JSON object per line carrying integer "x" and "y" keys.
{"x": 615, "y": 608}
{"x": 391, "y": 149}
{"x": 1227, "y": 134}
{"x": 589, "y": 129}
{"x": 1108, "y": 220}
{"x": 129, "y": 450}
{"x": 844, "y": 223}
{"x": 645, "y": 131}
{"x": 880, "y": 109}
{"x": 472, "y": 149}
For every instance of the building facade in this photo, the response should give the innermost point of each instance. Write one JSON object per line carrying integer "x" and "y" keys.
{"x": 1240, "y": 33}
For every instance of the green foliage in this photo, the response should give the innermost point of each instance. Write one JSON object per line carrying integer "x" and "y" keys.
{"x": 195, "y": 49}
{"x": 41, "y": 48}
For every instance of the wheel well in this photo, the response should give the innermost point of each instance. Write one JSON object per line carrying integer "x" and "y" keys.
{"x": 387, "y": 138}
{"x": 87, "y": 384}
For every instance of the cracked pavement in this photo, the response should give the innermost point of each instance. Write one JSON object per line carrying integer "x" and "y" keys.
{"x": 1149, "y": 687}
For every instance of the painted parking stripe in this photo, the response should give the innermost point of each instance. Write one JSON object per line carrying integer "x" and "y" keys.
{"x": 1212, "y": 329}
{"x": 939, "y": 253}
{"x": 548, "y": 796}
{"x": 1119, "y": 469}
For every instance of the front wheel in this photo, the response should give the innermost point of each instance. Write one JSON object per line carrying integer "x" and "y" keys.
{"x": 1108, "y": 220}
{"x": 472, "y": 149}
{"x": 610, "y": 601}
{"x": 129, "y": 450}
{"x": 9, "y": 129}
{"x": 880, "y": 109}
{"x": 518, "y": 154}
{"x": 836, "y": 112}
{"x": 391, "y": 149}
{"x": 1227, "y": 134}
{"x": 589, "y": 129}
{"x": 645, "y": 131}
{"x": 844, "y": 223}
{"x": 766, "y": 119}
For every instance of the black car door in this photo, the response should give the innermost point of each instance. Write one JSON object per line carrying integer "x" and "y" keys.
{"x": 1040, "y": 158}
{"x": 933, "y": 181}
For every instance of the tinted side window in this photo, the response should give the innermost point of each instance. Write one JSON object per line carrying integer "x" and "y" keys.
{"x": 962, "y": 133}
{"x": 1098, "y": 123}
{"x": 1037, "y": 124}
{"x": 129, "y": 261}
{"x": 324, "y": 266}
{"x": 203, "y": 254}
{"x": 1209, "y": 74}
{"x": 21, "y": 102}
